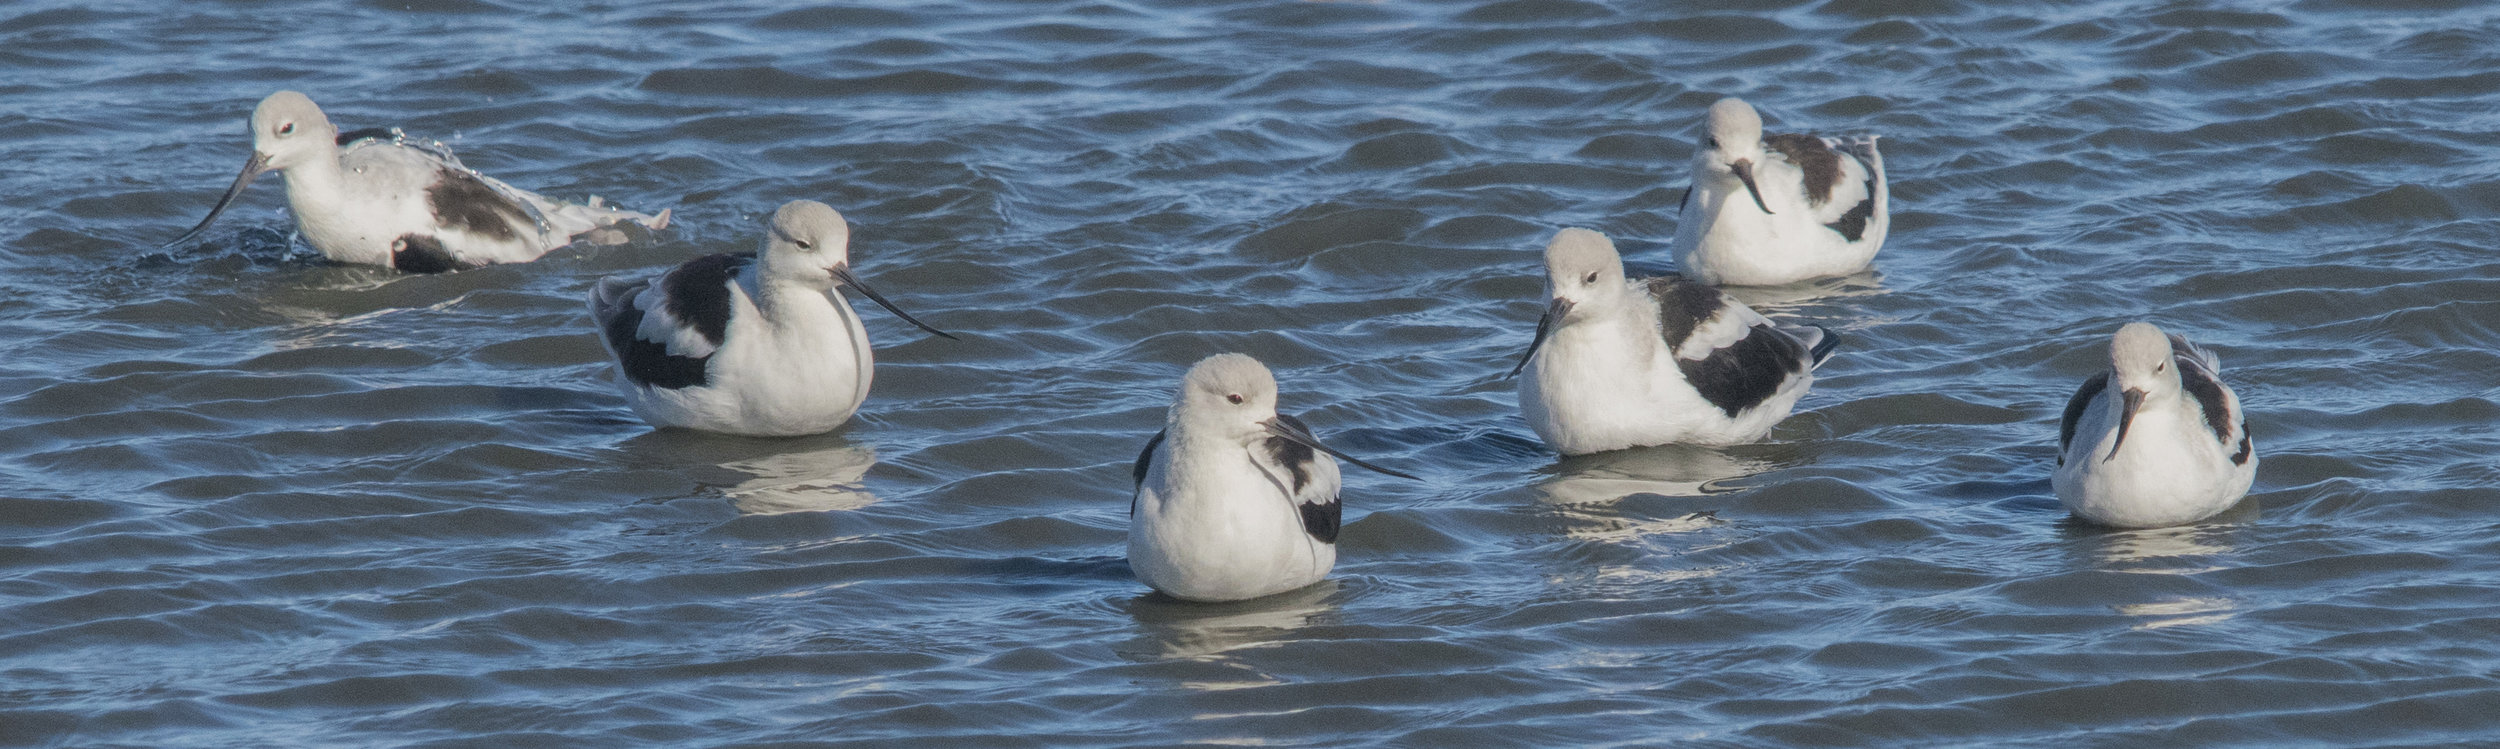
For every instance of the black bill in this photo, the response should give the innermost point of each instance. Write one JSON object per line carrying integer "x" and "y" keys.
{"x": 2134, "y": 398}
{"x": 1744, "y": 173}
{"x": 251, "y": 170}
{"x": 1281, "y": 428}
{"x": 1543, "y": 325}
{"x": 843, "y": 273}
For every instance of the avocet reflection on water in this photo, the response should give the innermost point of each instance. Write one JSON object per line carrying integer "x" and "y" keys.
{"x": 1171, "y": 628}
{"x": 2167, "y": 553}
{"x": 1670, "y": 470}
{"x": 819, "y": 480}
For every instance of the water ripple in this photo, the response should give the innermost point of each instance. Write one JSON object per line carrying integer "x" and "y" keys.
{"x": 249, "y": 498}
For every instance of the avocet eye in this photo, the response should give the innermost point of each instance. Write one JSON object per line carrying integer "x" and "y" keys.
{"x": 286, "y": 129}
{"x": 2162, "y": 367}
{"x": 1234, "y": 397}
{"x": 1591, "y": 278}
{"x": 806, "y": 245}
{"x": 1710, "y": 143}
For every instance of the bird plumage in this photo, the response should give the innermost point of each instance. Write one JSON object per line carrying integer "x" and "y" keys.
{"x": 1764, "y": 210}
{"x": 1620, "y": 362}
{"x": 1233, "y": 499}
{"x": 748, "y": 343}
{"x": 2157, "y": 439}
{"x": 377, "y": 197}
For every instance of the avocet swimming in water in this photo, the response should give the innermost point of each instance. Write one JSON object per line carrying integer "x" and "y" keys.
{"x": 2156, "y": 439}
{"x": 1234, "y": 499}
{"x": 379, "y": 198}
{"x": 758, "y": 344}
{"x": 1622, "y": 363}
{"x": 1778, "y": 209}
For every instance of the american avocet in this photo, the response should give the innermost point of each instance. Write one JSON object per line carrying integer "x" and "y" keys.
{"x": 2171, "y": 447}
{"x": 1770, "y": 210}
{"x": 748, "y": 343}
{"x": 1234, "y": 499}
{"x": 1621, "y": 363}
{"x": 378, "y": 197}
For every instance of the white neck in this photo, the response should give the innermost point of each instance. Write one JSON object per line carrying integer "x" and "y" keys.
{"x": 1631, "y": 326}
{"x": 316, "y": 187}
{"x": 779, "y": 296}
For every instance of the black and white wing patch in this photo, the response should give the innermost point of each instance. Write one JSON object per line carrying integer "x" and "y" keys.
{"x": 1839, "y": 185}
{"x": 1734, "y": 356}
{"x": 2075, "y": 409}
{"x": 1310, "y": 481}
{"x": 370, "y": 133}
{"x": 465, "y": 201}
{"x": 665, "y": 332}
{"x": 1145, "y": 461}
{"x": 460, "y": 199}
{"x": 2200, "y": 375}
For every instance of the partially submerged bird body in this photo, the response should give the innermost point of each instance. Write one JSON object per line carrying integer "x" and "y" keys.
{"x": 1233, "y": 499}
{"x": 380, "y": 198}
{"x": 1630, "y": 362}
{"x": 803, "y": 367}
{"x": 2156, "y": 440}
{"x": 1218, "y": 522}
{"x": 1778, "y": 209}
{"x": 759, "y": 344}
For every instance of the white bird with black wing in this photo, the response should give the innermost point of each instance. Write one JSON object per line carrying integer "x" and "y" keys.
{"x": 1778, "y": 209}
{"x": 1620, "y": 363}
{"x": 2156, "y": 440}
{"x": 1234, "y": 500}
{"x": 377, "y": 197}
{"x": 758, "y": 344}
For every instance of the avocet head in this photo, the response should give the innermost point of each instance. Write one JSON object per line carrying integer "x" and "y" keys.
{"x": 1583, "y": 274}
{"x": 288, "y": 130}
{"x": 1582, "y": 269}
{"x": 1229, "y": 394}
{"x": 1732, "y": 144}
{"x": 2142, "y": 368}
{"x": 810, "y": 243}
{"x": 1233, "y": 397}
{"x": 807, "y": 241}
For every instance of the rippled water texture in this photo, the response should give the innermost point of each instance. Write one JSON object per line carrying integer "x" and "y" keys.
{"x": 251, "y": 499}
